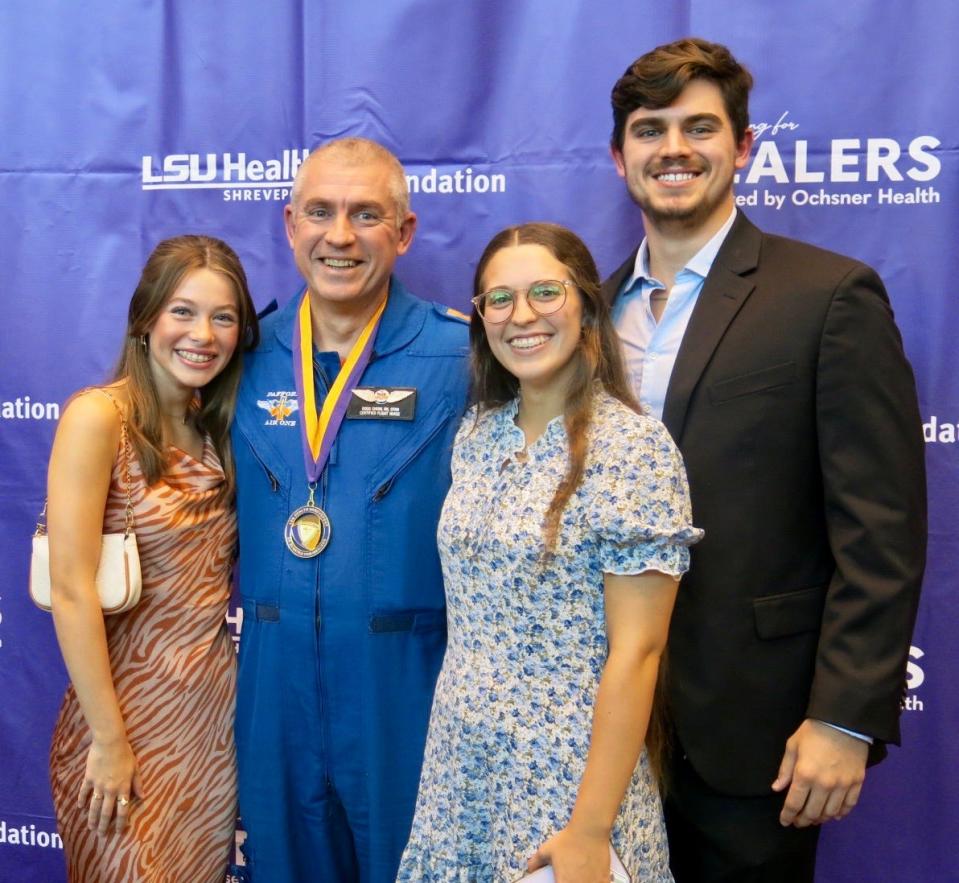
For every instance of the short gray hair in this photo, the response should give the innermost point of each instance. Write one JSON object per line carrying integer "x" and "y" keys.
{"x": 357, "y": 152}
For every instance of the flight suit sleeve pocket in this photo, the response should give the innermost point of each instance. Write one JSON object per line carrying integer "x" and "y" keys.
{"x": 789, "y": 613}
{"x": 756, "y": 381}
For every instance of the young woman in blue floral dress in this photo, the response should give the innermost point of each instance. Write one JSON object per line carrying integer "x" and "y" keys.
{"x": 563, "y": 539}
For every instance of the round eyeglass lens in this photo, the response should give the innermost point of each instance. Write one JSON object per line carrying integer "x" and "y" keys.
{"x": 497, "y": 302}
{"x": 546, "y": 297}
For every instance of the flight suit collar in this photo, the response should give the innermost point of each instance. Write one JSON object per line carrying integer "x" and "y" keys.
{"x": 402, "y": 321}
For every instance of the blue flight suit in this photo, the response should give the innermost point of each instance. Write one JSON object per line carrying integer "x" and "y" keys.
{"x": 339, "y": 653}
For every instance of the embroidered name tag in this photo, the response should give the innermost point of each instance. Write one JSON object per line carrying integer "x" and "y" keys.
{"x": 382, "y": 403}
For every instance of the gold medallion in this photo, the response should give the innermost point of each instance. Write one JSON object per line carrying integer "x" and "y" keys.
{"x": 307, "y": 531}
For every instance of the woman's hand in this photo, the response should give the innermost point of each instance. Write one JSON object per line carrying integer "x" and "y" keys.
{"x": 577, "y": 856}
{"x": 111, "y": 781}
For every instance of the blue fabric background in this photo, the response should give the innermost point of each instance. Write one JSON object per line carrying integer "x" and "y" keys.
{"x": 97, "y": 97}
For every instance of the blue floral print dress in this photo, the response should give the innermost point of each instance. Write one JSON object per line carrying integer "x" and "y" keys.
{"x": 512, "y": 713}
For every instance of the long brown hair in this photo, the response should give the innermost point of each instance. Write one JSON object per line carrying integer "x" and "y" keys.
{"x": 597, "y": 361}
{"x": 164, "y": 271}
{"x": 598, "y": 364}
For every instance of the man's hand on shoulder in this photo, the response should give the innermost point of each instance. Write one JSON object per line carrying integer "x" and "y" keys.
{"x": 824, "y": 769}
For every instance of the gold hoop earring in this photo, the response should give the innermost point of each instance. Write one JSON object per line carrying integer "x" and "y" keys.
{"x": 143, "y": 341}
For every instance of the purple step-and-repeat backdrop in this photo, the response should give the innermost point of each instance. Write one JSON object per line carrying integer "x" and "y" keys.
{"x": 123, "y": 123}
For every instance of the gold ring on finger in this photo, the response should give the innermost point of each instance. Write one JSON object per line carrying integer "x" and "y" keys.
{"x": 123, "y": 801}
{"x": 97, "y": 796}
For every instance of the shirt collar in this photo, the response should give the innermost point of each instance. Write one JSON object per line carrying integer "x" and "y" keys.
{"x": 700, "y": 263}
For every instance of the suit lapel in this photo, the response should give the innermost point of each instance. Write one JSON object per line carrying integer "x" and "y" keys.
{"x": 723, "y": 295}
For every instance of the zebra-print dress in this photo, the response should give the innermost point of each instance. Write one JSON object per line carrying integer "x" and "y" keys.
{"x": 174, "y": 670}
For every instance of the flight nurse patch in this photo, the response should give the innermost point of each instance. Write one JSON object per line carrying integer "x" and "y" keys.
{"x": 382, "y": 403}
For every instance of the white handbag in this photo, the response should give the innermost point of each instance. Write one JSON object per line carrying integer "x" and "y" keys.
{"x": 118, "y": 571}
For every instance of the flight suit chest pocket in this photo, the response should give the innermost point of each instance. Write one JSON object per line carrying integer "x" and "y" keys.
{"x": 406, "y": 491}
{"x": 262, "y": 509}
{"x": 404, "y": 455}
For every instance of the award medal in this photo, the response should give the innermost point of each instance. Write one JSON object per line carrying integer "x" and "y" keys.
{"x": 307, "y": 531}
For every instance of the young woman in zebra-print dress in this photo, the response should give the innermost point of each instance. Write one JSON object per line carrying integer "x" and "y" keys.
{"x": 142, "y": 762}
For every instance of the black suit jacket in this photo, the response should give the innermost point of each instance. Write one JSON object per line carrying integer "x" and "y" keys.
{"x": 795, "y": 409}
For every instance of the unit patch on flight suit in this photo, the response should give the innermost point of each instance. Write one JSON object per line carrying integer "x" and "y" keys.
{"x": 279, "y": 405}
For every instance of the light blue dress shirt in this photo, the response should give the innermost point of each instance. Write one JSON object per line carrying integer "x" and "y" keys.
{"x": 650, "y": 347}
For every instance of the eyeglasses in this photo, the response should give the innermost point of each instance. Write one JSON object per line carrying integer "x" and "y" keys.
{"x": 544, "y": 298}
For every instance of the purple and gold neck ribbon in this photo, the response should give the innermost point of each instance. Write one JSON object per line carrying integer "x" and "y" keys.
{"x": 318, "y": 430}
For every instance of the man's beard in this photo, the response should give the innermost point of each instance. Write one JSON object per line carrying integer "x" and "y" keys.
{"x": 686, "y": 217}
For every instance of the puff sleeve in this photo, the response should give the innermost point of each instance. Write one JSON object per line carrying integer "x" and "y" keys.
{"x": 640, "y": 513}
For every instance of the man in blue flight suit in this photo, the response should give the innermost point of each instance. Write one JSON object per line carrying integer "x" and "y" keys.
{"x": 344, "y": 426}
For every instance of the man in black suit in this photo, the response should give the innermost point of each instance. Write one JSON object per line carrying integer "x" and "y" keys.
{"x": 779, "y": 371}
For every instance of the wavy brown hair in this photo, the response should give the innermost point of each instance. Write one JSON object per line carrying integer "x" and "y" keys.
{"x": 598, "y": 366}
{"x": 165, "y": 270}
{"x": 655, "y": 80}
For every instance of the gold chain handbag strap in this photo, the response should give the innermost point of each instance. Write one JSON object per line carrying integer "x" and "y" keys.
{"x": 41, "y": 530}
{"x": 127, "y": 455}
